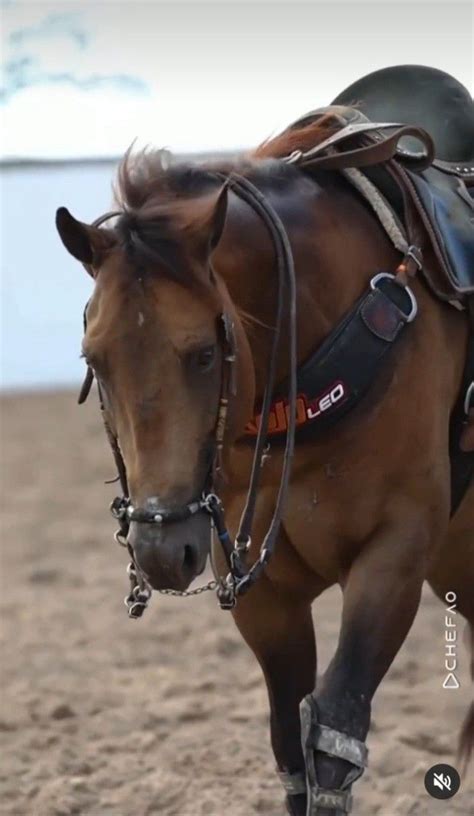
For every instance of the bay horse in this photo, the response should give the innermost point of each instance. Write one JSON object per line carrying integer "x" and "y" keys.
{"x": 368, "y": 506}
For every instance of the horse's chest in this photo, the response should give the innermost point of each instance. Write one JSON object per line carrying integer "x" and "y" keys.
{"x": 311, "y": 524}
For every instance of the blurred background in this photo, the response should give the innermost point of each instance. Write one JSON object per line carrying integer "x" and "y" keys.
{"x": 82, "y": 80}
{"x": 101, "y": 716}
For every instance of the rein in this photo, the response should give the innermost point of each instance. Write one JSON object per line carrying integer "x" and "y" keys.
{"x": 239, "y": 578}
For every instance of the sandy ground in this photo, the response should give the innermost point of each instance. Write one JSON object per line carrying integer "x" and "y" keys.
{"x": 108, "y": 717}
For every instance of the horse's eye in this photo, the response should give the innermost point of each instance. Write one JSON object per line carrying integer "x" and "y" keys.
{"x": 205, "y": 358}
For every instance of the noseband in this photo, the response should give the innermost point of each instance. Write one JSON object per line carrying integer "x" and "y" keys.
{"x": 240, "y": 577}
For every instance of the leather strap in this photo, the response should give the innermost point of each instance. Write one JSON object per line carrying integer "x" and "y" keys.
{"x": 379, "y": 150}
{"x": 294, "y": 784}
{"x": 340, "y": 745}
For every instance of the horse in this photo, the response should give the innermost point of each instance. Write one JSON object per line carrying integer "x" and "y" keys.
{"x": 184, "y": 394}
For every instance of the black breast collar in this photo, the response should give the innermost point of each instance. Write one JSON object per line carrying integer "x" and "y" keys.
{"x": 350, "y": 360}
{"x": 335, "y": 378}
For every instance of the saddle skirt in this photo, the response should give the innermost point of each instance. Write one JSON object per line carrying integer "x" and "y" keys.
{"x": 446, "y": 207}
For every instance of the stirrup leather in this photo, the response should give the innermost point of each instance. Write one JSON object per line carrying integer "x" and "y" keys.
{"x": 318, "y": 737}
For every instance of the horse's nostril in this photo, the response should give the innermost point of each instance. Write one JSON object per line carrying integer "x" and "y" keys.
{"x": 189, "y": 559}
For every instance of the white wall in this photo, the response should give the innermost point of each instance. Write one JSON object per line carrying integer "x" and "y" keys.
{"x": 43, "y": 288}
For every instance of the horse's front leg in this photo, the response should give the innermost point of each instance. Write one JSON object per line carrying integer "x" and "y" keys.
{"x": 381, "y": 596}
{"x": 280, "y": 632}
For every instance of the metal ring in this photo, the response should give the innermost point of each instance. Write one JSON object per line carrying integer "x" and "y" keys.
{"x": 413, "y": 301}
{"x": 207, "y": 500}
{"x": 120, "y": 538}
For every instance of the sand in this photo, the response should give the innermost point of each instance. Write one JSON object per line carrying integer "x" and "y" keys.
{"x": 108, "y": 717}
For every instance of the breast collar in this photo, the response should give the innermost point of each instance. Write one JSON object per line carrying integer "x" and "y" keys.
{"x": 340, "y": 372}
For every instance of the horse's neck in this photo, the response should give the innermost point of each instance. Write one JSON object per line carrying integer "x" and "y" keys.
{"x": 337, "y": 246}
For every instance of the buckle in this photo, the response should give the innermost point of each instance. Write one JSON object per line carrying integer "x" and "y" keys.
{"x": 414, "y": 253}
{"x": 414, "y": 304}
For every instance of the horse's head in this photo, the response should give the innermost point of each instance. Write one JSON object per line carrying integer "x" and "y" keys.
{"x": 154, "y": 339}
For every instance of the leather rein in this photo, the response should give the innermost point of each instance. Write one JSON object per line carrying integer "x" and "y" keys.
{"x": 240, "y": 577}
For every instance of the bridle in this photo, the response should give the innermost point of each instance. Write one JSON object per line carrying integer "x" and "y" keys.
{"x": 325, "y": 156}
{"x": 240, "y": 578}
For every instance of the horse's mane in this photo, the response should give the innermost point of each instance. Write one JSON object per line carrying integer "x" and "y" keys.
{"x": 298, "y": 138}
{"x": 162, "y": 203}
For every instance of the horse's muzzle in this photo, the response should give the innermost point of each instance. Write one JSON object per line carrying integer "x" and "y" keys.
{"x": 171, "y": 555}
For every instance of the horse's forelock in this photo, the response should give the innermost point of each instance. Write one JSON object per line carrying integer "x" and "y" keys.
{"x": 163, "y": 209}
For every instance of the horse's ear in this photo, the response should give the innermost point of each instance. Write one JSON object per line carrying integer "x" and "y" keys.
{"x": 206, "y": 229}
{"x": 218, "y": 219}
{"x": 85, "y": 243}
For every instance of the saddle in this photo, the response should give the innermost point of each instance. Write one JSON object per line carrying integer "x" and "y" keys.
{"x": 417, "y": 95}
{"x": 428, "y": 182}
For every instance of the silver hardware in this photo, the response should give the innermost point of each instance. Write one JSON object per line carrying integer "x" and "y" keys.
{"x": 413, "y": 301}
{"x": 120, "y": 538}
{"x": 243, "y": 546}
{"x": 294, "y": 157}
{"x": 158, "y": 518}
{"x": 140, "y": 593}
{"x": 469, "y": 399}
{"x": 188, "y": 593}
{"x": 415, "y": 254}
{"x": 208, "y": 500}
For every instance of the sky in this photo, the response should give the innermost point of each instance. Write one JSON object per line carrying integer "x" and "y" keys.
{"x": 86, "y": 79}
